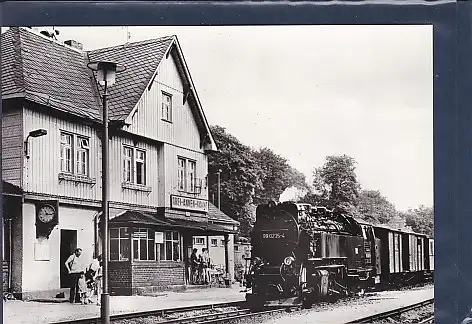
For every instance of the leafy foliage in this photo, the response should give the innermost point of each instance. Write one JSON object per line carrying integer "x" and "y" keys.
{"x": 247, "y": 177}
{"x": 421, "y": 220}
{"x": 276, "y": 175}
{"x": 239, "y": 174}
{"x": 375, "y": 208}
{"x": 336, "y": 182}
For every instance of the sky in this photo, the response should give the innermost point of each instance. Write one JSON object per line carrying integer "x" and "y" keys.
{"x": 308, "y": 92}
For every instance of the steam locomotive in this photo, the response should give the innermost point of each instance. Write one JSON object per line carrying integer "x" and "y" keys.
{"x": 302, "y": 254}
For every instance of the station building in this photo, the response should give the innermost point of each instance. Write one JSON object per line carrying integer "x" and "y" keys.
{"x": 51, "y": 164}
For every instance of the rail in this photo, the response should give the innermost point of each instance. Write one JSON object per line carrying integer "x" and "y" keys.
{"x": 157, "y": 312}
{"x": 395, "y": 312}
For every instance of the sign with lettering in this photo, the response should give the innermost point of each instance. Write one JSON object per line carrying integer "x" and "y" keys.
{"x": 186, "y": 203}
{"x": 140, "y": 235}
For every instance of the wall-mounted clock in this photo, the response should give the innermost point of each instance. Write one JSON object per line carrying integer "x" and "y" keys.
{"x": 46, "y": 213}
{"x": 46, "y": 217}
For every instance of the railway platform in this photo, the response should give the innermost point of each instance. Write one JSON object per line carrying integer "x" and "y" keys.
{"x": 355, "y": 310}
{"x": 32, "y": 312}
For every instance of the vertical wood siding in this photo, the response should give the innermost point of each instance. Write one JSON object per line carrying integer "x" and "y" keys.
{"x": 171, "y": 181}
{"x": 41, "y": 171}
{"x": 132, "y": 196}
{"x": 12, "y": 146}
{"x": 147, "y": 121}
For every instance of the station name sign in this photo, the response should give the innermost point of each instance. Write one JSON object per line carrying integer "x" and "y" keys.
{"x": 186, "y": 203}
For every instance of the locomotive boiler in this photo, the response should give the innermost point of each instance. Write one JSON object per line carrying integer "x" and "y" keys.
{"x": 301, "y": 253}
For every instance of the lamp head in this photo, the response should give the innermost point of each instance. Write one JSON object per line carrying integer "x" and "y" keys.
{"x": 106, "y": 71}
{"x": 38, "y": 133}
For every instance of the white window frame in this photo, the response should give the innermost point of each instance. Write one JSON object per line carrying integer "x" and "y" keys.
{"x": 82, "y": 154}
{"x": 214, "y": 242}
{"x": 181, "y": 173}
{"x": 187, "y": 175}
{"x": 121, "y": 238}
{"x": 199, "y": 241}
{"x": 149, "y": 238}
{"x": 130, "y": 174}
{"x": 163, "y": 257}
{"x": 166, "y": 106}
{"x": 67, "y": 140}
{"x": 78, "y": 147}
{"x": 140, "y": 164}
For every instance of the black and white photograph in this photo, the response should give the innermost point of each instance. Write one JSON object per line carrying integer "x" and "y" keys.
{"x": 218, "y": 174}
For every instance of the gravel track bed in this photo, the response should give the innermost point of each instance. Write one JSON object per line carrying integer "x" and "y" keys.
{"x": 367, "y": 299}
{"x": 413, "y": 316}
{"x": 157, "y": 319}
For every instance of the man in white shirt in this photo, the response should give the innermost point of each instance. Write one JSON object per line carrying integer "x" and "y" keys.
{"x": 74, "y": 266}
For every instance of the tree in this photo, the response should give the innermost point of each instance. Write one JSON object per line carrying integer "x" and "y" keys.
{"x": 336, "y": 183}
{"x": 239, "y": 176}
{"x": 313, "y": 199}
{"x": 276, "y": 175}
{"x": 376, "y": 209}
{"x": 421, "y": 220}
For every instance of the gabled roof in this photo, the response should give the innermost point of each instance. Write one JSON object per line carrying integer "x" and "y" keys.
{"x": 141, "y": 60}
{"x": 214, "y": 214}
{"x": 46, "y": 72}
{"x": 50, "y": 73}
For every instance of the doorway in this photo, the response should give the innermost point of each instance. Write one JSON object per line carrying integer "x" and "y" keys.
{"x": 68, "y": 246}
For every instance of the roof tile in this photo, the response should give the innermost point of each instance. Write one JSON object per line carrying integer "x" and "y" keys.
{"x": 47, "y": 71}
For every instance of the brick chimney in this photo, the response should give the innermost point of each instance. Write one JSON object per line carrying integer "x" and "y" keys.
{"x": 74, "y": 44}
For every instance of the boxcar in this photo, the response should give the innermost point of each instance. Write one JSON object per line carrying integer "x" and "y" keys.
{"x": 405, "y": 256}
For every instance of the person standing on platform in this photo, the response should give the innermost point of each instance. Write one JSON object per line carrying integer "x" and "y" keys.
{"x": 91, "y": 274}
{"x": 200, "y": 268}
{"x": 74, "y": 266}
{"x": 206, "y": 265}
{"x": 82, "y": 288}
{"x": 193, "y": 266}
{"x": 98, "y": 281}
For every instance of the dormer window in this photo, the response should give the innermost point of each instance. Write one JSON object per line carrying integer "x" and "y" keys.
{"x": 166, "y": 107}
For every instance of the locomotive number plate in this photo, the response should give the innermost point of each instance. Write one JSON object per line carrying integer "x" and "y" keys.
{"x": 273, "y": 235}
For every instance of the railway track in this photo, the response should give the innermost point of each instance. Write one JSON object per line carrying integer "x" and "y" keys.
{"x": 159, "y": 312}
{"x": 396, "y": 312}
{"x": 224, "y": 317}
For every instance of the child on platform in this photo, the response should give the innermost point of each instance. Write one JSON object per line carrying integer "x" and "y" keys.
{"x": 82, "y": 288}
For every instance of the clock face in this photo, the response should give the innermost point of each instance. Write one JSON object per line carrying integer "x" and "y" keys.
{"x": 46, "y": 213}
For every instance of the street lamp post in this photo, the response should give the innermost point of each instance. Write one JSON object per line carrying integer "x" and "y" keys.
{"x": 219, "y": 189}
{"x": 106, "y": 74}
